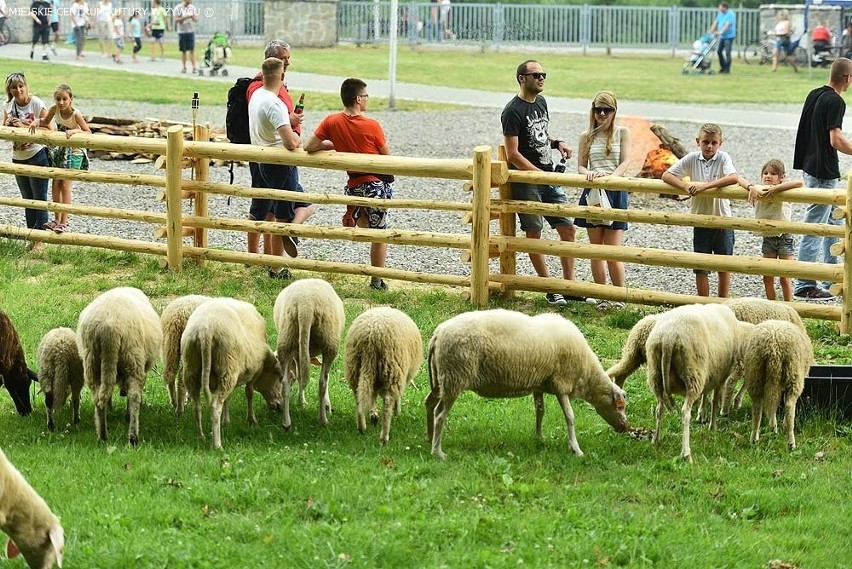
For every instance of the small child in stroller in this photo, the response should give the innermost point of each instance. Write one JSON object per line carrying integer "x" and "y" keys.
{"x": 217, "y": 54}
{"x": 701, "y": 57}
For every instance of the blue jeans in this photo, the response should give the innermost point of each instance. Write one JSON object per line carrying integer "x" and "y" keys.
{"x": 34, "y": 189}
{"x": 811, "y": 245}
{"x": 725, "y": 54}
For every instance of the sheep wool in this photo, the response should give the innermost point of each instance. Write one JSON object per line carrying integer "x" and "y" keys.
{"x": 61, "y": 371}
{"x": 119, "y": 337}
{"x": 309, "y": 318}
{"x": 502, "y": 353}
{"x": 777, "y": 357}
{"x": 223, "y": 346}
{"x": 173, "y": 320}
{"x": 14, "y": 373}
{"x": 383, "y": 353}
{"x": 633, "y": 354}
{"x": 33, "y": 530}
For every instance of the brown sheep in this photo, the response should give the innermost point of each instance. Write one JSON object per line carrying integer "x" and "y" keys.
{"x": 14, "y": 373}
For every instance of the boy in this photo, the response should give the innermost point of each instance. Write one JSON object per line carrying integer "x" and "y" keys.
{"x": 775, "y": 245}
{"x": 707, "y": 168}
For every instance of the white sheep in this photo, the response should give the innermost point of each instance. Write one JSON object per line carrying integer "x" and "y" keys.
{"x": 60, "y": 369}
{"x": 777, "y": 358}
{"x": 383, "y": 352}
{"x": 691, "y": 351}
{"x": 633, "y": 354}
{"x": 173, "y": 320}
{"x": 501, "y": 353}
{"x": 119, "y": 337}
{"x": 33, "y": 530}
{"x": 223, "y": 346}
{"x": 309, "y": 317}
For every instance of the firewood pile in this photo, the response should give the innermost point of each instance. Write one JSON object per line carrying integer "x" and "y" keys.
{"x": 147, "y": 128}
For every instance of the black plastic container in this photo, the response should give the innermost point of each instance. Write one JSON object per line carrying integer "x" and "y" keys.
{"x": 828, "y": 389}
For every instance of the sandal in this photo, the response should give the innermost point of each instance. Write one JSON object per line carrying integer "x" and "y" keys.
{"x": 50, "y": 225}
{"x": 60, "y": 228}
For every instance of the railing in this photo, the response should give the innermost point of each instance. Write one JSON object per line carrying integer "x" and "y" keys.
{"x": 481, "y": 173}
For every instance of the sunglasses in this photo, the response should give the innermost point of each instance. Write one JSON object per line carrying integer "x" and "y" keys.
{"x": 605, "y": 111}
{"x": 537, "y": 76}
{"x": 15, "y": 75}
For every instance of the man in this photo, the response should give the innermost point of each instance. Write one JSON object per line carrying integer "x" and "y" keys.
{"x": 260, "y": 208}
{"x": 186, "y": 14}
{"x": 528, "y": 147}
{"x": 725, "y": 26}
{"x": 40, "y": 15}
{"x": 819, "y": 138}
{"x": 269, "y": 125}
{"x": 352, "y": 131}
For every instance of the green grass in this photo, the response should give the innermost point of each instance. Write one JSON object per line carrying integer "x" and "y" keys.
{"x": 329, "y": 497}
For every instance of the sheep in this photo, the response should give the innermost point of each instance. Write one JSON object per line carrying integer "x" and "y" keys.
{"x": 223, "y": 346}
{"x": 33, "y": 530}
{"x": 61, "y": 369}
{"x": 309, "y": 317}
{"x": 502, "y": 353}
{"x": 633, "y": 354}
{"x": 173, "y": 320}
{"x": 691, "y": 351}
{"x": 777, "y": 357}
{"x": 119, "y": 337}
{"x": 14, "y": 373}
{"x": 383, "y": 353}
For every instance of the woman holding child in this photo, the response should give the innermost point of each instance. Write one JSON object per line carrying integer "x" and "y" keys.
{"x": 605, "y": 151}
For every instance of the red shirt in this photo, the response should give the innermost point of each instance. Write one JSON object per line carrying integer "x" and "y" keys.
{"x": 353, "y": 133}
{"x": 283, "y": 94}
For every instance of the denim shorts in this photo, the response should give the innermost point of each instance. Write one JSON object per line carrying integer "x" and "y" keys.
{"x": 781, "y": 245}
{"x": 715, "y": 241}
{"x": 541, "y": 194}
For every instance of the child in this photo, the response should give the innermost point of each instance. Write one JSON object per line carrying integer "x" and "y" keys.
{"x": 135, "y": 22}
{"x": 775, "y": 245}
{"x": 71, "y": 121}
{"x": 118, "y": 37}
{"x": 707, "y": 168}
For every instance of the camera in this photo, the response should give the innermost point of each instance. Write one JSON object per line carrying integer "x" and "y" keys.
{"x": 561, "y": 166}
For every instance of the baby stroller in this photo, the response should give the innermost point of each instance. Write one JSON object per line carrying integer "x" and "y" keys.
{"x": 217, "y": 54}
{"x": 701, "y": 58}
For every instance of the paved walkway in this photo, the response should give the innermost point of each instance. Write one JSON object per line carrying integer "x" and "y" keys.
{"x": 779, "y": 116}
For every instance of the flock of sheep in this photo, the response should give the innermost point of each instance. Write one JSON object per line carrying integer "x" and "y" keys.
{"x": 219, "y": 344}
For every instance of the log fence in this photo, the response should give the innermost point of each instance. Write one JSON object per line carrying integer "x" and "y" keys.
{"x": 481, "y": 175}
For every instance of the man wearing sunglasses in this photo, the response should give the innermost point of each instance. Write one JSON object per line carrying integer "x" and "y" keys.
{"x": 528, "y": 147}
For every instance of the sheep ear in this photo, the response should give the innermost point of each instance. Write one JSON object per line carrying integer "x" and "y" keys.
{"x": 12, "y": 550}
{"x": 619, "y": 397}
{"x": 57, "y": 538}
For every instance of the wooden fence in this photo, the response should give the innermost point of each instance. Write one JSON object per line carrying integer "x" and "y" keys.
{"x": 480, "y": 173}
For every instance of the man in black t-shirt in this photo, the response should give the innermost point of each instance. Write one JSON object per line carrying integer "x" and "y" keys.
{"x": 528, "y": 147}
{"x": 40, "y": 14}
{"x": 819, "y": 137}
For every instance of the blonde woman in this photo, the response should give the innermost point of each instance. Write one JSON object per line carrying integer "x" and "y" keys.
{"x": 783, "y": 38}
{"x": 605, "y": 151}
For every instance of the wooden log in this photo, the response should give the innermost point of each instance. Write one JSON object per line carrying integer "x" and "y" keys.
{"x": 88, "y": 210}
{"x": 846, "y": 304}
{"x": 838, "y": 213}
{"x": 173, "y": 198}
{"x": 836, "y": 289}
{"x": 838, "y": 248}
{"x": 162, "y": 232}
{"x": 201, "y": 174}
{"x": 184, "y": 195}
{"x": 481, "y": 228}
{"x": 84, "y": 140}
{"x": 669, "y": 140}
{"x": 110, "y": 121}
{"x": 69, "y": 238}
{"x": 465, "y": 256}
{"x": 508, "y": 259}
{"x": 83, "y": 175}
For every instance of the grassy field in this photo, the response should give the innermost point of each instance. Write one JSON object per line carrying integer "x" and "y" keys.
{"x": 329, "y": 497}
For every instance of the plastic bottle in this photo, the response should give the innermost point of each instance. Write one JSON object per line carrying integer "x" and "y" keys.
{"x": 561, "y": 166}
{"x": 300, "y": 106}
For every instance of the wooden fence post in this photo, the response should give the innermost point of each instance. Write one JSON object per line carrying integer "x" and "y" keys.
{"x": 202, "y": 174}
{"x": 480, "y": 229}
{"x": 508, "y": 259}
{"x": 174, "y": 207}
{"x": 846, "y": 293}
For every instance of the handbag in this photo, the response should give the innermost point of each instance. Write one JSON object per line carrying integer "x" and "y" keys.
{"x": 598, "y": 198}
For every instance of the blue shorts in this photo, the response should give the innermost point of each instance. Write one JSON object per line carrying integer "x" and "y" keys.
{"x": 618, "y": 199}
{"x": 781, "y": 245}
{"x": 541, "y": 194}
{"x": 715, "y": 241}
{"x": 376, "y": 218}
{"x": 277, "y": 177}
{"x": 186, "y": 42}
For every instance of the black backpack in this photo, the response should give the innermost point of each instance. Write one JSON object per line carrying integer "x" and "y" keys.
{"x": 236, "y": 117}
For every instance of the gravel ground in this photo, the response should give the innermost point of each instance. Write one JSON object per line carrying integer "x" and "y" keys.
{"x": 459, "y": 132}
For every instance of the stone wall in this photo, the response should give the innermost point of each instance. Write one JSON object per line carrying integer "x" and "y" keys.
{"x": 828, "y": 15}
{"x": 301, "y": 23}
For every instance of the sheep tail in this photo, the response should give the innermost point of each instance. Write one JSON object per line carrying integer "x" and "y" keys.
{"x": 432, "y": 366}
{"x": 206, "y": 366}
{"x": 305, "y": 324}
{"x": 366, "y": 373}
{"x": 776, "y": 378}
{"x": 109, "y": 345}
{"x": 666, "y": 375}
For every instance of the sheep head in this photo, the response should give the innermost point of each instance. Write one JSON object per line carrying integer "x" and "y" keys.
{"x": 41, "y": 553}
{"x": 611, "y": 404}
{"x": 18, "y": 382}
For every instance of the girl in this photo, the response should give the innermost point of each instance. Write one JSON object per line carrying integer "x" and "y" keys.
{"x": 605, "y": 151}
{"x": 20, "y": 110}
{"x": 135, "y": 22}
{"x": 118, "y": 37}
{"x": 159, "y": 24}
{"x": 71, "y": 121}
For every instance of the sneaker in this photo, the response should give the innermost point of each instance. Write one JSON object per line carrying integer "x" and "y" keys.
{"x": 281, "y": 274}
{"x": 32, "y": 54}
{"x": 379, "y": 284}
{"x": 577, "y": 298}
{"x": 617, "y": 305}
{"x": 602, "y": 304}
{"x": 813, "y": 293}
{"x": 290, "y": 246}
{"x": 555, "y": 299}
{"x": 45, "y": 58}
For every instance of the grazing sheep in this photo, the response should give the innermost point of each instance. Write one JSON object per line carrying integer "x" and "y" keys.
{"x": 119, "y": 337}
{"x": 223, "y": 346}
{"x": 384, "y": 350}
{"x": 61, "y": 369}
{"x": 173, "y": 320}
{"x": 501, "y": 353}
{"x": 309, "y": 317}
{"x": 777, "y": 357}
{"x": 32, "y": 528}
{"x": 691, "y": 351}
{"x": 14, "y": 373}
{"x": 633, "y": 354}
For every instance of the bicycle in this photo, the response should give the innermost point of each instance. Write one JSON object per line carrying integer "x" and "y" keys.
{"x": 760, "y": 52}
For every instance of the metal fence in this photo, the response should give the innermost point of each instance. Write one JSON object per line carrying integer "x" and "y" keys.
{"x": 496, "y": 25}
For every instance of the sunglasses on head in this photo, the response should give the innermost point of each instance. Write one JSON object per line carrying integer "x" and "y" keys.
{"x": 538, "y": 76}
{"x": 603, "y": 110}
{"x": 15, "y": 75}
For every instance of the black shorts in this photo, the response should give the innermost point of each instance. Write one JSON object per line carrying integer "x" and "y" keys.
{"x": 186, "y": 42}
{"x": 54, "y": 26}
{"x": 157, "y": 34}
{"x": 41, "y": 34}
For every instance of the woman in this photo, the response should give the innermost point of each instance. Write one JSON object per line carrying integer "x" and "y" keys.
{"x": 80, "y": 22}
{"x": 20, "y": 111}
{"x": 783, "y": 33}
{"x": 605, "y": 151}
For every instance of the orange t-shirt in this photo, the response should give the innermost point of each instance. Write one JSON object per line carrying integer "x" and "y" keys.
{"x": 283, "y": 94}
{"x": 353, "y": 133}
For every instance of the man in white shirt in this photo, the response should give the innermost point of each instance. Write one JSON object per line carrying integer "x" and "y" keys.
{"x": 186, "y": 14}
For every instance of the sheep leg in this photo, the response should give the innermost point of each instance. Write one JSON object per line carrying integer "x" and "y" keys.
{"x": 134, "y": 402}
{"x": 198, "y": 418}
{"x": 75, "y": 407}
{"x": 569, "y": 418}
{"x": 361, "y": 418}
{"x": 430, "y": 404}
{"x": 756, "y": 416}
{"x": 702, "y": 408}
{"x": 287, "y": 383}
{"x": 387, "y": 415}
{"x": 250, "y": 416}
{"x": 101, "y": 421}
{"x": 226, "y": 412}
{"x": 538, "y": 402}
{"x": 728, "y": 395}
{"x": 374, "y": 411}
{"x": 789, "y": 421}
{"x": 325, "y": 402}
{"x": 180, "y": 401}
{"x": 738, "y": 400}
{"x": 442, "y": 409}
{"x": 686, "y": 417}
{"x": 717, "y": 395}
{"x": 216, "y": 407}
{"x": 658, "y": 413}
